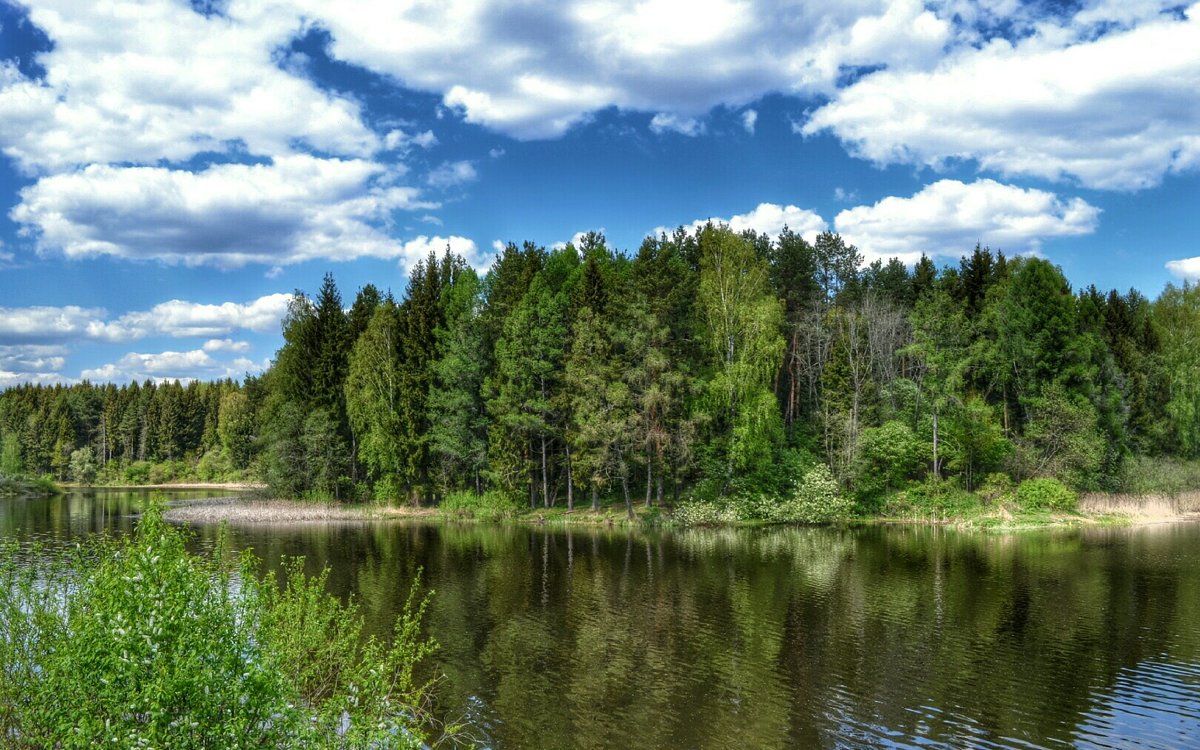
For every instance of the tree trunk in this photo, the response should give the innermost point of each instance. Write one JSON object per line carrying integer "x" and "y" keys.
{"x": 937, "y": 471}
{"x": 649, "y": 475}
{"x": 595, "y": 498}
{"x": 625, "y": 489}
{"x": 570, "y": 479}
{"x": 545, "y": 478}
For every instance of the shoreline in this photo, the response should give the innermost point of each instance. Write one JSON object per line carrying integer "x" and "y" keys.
{"x": 230, "y": 486}
{"x": 244, "y": 511}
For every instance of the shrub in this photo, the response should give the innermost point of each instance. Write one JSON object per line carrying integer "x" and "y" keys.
{"x": 137, "y": 643}
{"x": 490, "y": 506}
{"x": 817, "y": 498}
{"x": 214, "y": 466}
{"x": 138, "y": 472}
{"x": 994, "y": 487}
{"x": 935, "y": 498}
{"x": 704, "y": 513}
{"x": 1045, "y": 493}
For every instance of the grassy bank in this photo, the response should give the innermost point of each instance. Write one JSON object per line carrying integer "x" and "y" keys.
{"x": 1092, "y": 510}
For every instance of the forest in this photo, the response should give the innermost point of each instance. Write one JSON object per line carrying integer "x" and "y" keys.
{"x": 708, "y": 366}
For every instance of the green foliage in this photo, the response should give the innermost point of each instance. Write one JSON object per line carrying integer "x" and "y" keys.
{"x": 236, "y": 427}
{"x": 994, "y": 487}
{"x": 817, "y": 498}
{"x": 10, "y": 456}
{"x": 1158, "y": 475}
{"x": 888, "y": 456}
{"x": 215, "y": 466}
{"x": 138, "y": 643}
{"x": 490, "y": 506}
{"x": 814, "y": 498}
{"x": 742, "y": 320}
{"x": 83, "y": 466}
{"x": 705, "y": 513}
{"x": 934, "y": 499}
{"x": 1046, "y": 493}
{"x": 693, "y": 368}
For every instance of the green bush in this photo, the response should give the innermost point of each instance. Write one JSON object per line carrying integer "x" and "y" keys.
{"x": 490, "y": 506}
{"x": 994, "y": 487}
{"x": 214, "y": 466}
{"x": 138, "y": 643}
{"x": 138, "y": 472}
{"x": 1045, "y": 493}
{"x": 817, "y": 498}
{"x": 704, "y": 513}
{"x": 933, "y": 498}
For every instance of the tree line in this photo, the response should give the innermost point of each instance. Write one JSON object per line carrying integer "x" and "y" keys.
{"x": 706, "y": 364}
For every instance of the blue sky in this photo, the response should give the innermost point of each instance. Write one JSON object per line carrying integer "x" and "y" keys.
{"x": 171, "y": 171}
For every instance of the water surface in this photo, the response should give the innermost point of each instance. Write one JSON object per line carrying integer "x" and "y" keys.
{"x": 771, "y": 638}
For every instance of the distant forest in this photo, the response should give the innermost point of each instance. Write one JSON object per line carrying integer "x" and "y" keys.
{"x": 706, "y": 364}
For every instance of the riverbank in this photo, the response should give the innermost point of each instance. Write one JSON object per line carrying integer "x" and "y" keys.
{"x": 1095, "y": 510}
{"x": 229, "y": 486}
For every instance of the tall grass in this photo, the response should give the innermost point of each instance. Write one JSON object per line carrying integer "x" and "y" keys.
{"x": 138, "y": 643}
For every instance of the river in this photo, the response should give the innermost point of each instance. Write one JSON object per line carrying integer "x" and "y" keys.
{"x": 907, "y": 637}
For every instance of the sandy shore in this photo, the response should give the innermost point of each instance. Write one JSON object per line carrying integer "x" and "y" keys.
{"x": 238, "y": 510}
{"x": 1097, "y": 509}
{"x": 231, "y": 486}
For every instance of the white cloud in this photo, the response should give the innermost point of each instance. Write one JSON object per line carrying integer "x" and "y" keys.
{"x": 948, "y": 217}
{"x": 452, "y": 173}
{"x": 534, "y": 69}
{"x": 419, "y": 248}
{"x": 10, "y": 379}
{"x": 766, "y": 218}
{"x": 42, "y": 323}
{"x": 32, "y": 358}
{"x": 182, "y": 319}
{"x": 665, "y": 122}
{"x": 1187, "y": 269}
{"x": 399, "y": 140}
{"x": 225, "y": 345}
{"x": 176, "y": 319}
{"x": 1114, "y": 110}
{"x": 749, "y": 118}
{"x": 185, "y": 366}
{"x": 298, "y": 208}
{"x": 148, "y": 81}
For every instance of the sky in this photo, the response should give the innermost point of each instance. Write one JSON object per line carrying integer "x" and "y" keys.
{"x": 172, "y": 171}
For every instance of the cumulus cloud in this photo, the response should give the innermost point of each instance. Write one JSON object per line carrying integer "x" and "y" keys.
{"x": 451, "y": 174}
{"x": 420, "y": 247}
{"x": 148, "y": 81}
{"x": 44, "y": 324}
{"x": 157, "y": 133}
{"x": 1112, "y": 110}
{"x": 32, "y": 358}
{"x": 176, "y": 319}
{"x": 297, "y": 208}
{"x": 10, "y": 379}
{"x": 948, "y": 217}
{"x": 399, "y": 140}
{"x": 945, "y": 218}
{"x": 185, "y": 366}
{"x": 766, "y": 218}
{"x": 534, "y": 69}
{"x": 1187, "y": 269}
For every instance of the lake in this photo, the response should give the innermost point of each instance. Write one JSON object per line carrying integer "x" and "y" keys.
{"x": 901, "y": 637}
